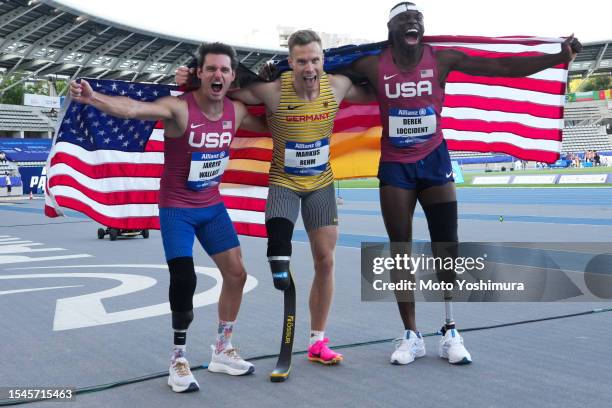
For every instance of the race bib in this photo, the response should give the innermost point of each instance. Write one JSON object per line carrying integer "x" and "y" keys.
{"x": 306, "y": 159}
{"x": 408, "y": 127}
{"x": 206, "y": 169}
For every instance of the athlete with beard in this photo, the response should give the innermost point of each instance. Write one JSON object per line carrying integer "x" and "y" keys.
{"x": 199, "y": 127}
{"x": 409, "y": 79}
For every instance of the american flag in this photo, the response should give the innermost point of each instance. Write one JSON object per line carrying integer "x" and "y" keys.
{"x": 522, "y": 117}
{"x": 109, "y": 168}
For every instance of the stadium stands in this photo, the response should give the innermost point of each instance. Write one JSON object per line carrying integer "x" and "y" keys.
{"x": 49, "y": 38}
{"x": 586, "y": 113}
{"x": 25, "y": 121}
{"x": 46, "y": 38}
{"x": 580, "y": 138}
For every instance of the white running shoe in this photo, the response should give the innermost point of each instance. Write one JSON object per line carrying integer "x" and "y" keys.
{"x": 181, "y": 379}
{"x": 452, "y": 349}
{"x": 229, "y": 362}
{"x": 406, "y": 350}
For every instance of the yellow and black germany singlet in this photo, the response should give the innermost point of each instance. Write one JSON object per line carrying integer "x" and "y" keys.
{"x": 301, "y": 131}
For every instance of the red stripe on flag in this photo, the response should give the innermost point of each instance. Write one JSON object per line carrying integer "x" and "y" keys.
{"x": 253, "y": 153}
{"x": 248, "y": 133}
{"x": 254, "y": 230}
{"x": 245, "y": 177}
{"x": 99, "y": 171}
{"x": 525, "y": 154}
{"x": 108, "y": 198}
{"x": 530, "y": 84}
{"x": 495, "y": 54}
{"x": 503, "y": 105}
{"x": 519, "y": 39}
{"x": 50, "y": 212}
{"x": 356, "y": 123}
{"x": 113, "y": 222}
{"x": 244, "y": 203}
{"x": 474, "y": 52}
{"x": 154, "y": 146}
{"x": 507, "y": 127}
{"x": 256, "y": 110}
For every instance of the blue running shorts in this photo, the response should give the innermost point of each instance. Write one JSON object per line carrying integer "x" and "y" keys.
{"x": 212, "y": 226}
{"x": 434, "y": 170}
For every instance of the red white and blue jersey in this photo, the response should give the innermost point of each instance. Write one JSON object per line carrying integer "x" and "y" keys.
{"x": 410, "y": 108}
{"x": 194, "y": 162}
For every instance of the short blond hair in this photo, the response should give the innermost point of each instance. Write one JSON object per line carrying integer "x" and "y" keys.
{"x": 303, "y": 37}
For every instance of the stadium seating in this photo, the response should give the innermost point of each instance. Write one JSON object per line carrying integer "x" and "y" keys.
{"x": 580, "y": 138}
{"x": 585, "y": 113}
{"x": 16, "y": 118}
{"x": 581, "y": 113}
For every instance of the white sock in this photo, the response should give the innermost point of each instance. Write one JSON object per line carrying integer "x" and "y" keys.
{"x": 316, "y": 336}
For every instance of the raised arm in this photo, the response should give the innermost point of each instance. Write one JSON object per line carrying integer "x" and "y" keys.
{"x": 508, "y": 66}
{"x": 123, "y": 107}
{"x": 246, "y": 121}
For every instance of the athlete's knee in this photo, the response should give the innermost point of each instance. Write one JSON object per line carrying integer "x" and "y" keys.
{"x": 280, "y": 231}
{"x": 235, "y": 276}
{"x": 324, "y": 264}
{"x": 442, "y": 221}
{"x": 182, "y": 283}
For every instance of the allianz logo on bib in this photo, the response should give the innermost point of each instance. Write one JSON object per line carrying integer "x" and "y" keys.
{"x": 212, "y": 139}
{"x": 408, "y": 89}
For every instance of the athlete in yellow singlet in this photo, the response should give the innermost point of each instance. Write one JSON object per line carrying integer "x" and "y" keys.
{"x": 302, "y": 123}
{"x": 301, "y": 106}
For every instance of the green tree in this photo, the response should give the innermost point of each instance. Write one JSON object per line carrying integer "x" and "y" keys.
{"x": 60, "y": 85}
{"x": 597, "y": 83}
{"x": 38, "y": 88}
{"x": 13, "y": 96}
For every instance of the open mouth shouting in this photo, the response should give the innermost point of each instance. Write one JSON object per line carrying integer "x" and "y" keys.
{"x": 411, "y": 36}
{"x": 310, "y": 80}
{"x": 216, "y": 87}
